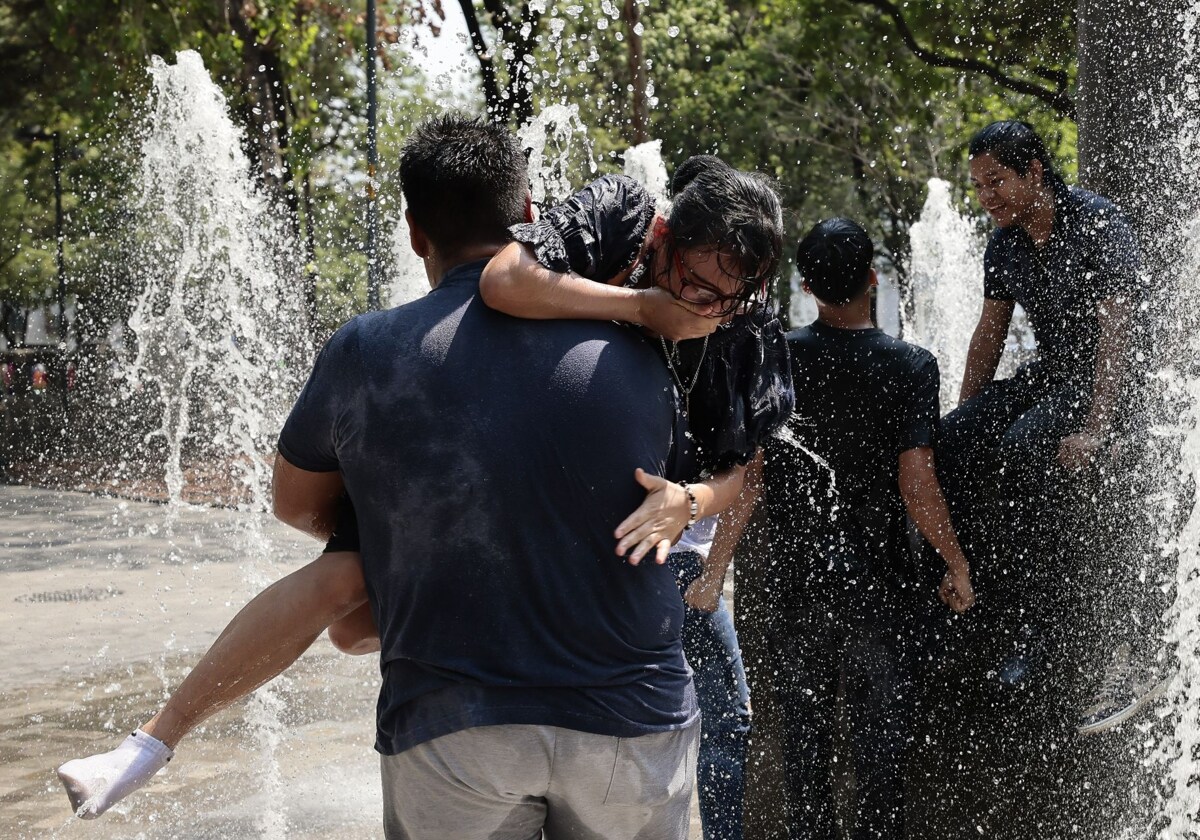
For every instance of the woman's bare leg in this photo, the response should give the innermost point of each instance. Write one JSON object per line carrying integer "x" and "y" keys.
{"x": 267, "y": 636}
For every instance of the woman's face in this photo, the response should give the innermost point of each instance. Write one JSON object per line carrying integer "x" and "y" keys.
{"x": 697, "y": 275}
{"x": 1006, "y": 195}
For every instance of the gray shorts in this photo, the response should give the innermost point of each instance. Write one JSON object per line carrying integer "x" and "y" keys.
{"x": 512, "y": 782}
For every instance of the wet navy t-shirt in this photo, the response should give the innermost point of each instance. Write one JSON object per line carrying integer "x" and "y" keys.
{"x": 1091, "y": 256}
{"x": 489, "y": 460}
{"x": 832, "y": 477}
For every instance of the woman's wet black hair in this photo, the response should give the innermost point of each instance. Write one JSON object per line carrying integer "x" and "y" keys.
{"x": 735, "y": 213}
{"x": 834, "y": 259}
{"x": 1015, "y": 145}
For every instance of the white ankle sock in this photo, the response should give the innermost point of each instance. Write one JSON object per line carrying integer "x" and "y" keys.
{"x": 96, "y": 783}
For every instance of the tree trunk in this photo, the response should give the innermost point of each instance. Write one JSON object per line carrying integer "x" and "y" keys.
{"x": 1129, "y": 62}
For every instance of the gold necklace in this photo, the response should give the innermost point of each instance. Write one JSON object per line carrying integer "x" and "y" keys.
{"x": 672, "y": 358}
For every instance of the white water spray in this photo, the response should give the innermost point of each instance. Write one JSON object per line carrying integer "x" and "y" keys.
{"x": 1179, "y": 749}
{"x": 218, "y": 320}
{"x": 644, "y": 164}
{"x": 552, "y": 138}
{"x": 945, "y": 285}
{"x": 218, "y": 323}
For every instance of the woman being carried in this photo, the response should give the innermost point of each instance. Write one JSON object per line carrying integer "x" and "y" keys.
{"x": 707, "y": 263}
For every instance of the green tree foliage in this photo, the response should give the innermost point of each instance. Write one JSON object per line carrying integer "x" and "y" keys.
{"x": 851, "y": 105}
{"x": 291, "y": 70}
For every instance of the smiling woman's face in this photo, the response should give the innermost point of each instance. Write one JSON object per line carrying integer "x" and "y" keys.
{"x": 1006, "y": 195}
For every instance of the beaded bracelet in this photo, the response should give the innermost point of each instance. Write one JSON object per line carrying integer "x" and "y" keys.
{"x": 693, "y": 505}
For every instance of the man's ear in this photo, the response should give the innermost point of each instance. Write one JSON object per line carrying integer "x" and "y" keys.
{"x": 872, "y": 278}
{"x": 528, "y": 206}
{"x": 804, "y": 285}
{"x": 417, "y": 239}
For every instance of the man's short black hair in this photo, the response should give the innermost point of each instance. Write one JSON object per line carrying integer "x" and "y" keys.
{"x": 1015, "y": 145}
{"x": 464, "y": 180}
{"x": 834, "y": 259}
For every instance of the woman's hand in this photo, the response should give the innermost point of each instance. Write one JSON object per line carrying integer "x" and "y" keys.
{"x": 658, "y": 521}
{"x": 675, "y": 320}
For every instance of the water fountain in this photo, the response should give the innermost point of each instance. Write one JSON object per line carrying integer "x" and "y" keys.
{"x": 945, "y": 285}
{"x": 1175, "y": 512}
{"x": 233, "y": 347}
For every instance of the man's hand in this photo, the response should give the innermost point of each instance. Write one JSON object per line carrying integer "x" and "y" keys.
{"x": 658, "y": 521}
{"x": 956, "y": 591}
{"x": 675, "y": 320}
{"x": 1078, "y": 450}
{"x": 704, "y": 593}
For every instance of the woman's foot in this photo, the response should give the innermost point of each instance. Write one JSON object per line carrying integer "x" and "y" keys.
{"x": 96, "y": 783}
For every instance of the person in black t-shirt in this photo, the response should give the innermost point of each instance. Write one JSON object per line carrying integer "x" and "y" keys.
{"x": 841, "y": 587}
{"x": 489, "y": 460}
{"x": 1070, "y": 259}
{"x": 1014, "y": 448}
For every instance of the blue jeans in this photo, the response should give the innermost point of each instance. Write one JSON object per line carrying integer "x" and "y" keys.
{"x": 711, "y": 647}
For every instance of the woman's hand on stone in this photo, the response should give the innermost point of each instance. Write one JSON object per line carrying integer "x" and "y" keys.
{"x": 675, "y": 320}
{"x": 657, "y": 522}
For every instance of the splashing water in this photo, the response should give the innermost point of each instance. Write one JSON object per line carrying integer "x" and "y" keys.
{"x": 946, "y": 286}
{"x": 552, "y": 138}
{"x": 644, "y": 164}
{"x": 218, "y": 321}
{"x": 409, "y": 281}
{"x": 1179, "y": 748}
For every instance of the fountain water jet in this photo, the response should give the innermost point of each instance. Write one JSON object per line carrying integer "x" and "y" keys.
{"x": 220, "y": 346}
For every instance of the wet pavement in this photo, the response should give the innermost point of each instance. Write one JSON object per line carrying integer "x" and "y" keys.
{"x": 104, "y": 604}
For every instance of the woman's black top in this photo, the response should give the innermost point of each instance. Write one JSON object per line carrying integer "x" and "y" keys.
{"x": 743, "y": 393}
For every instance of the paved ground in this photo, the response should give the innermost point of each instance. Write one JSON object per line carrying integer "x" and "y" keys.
{"x": 104, "y": 603}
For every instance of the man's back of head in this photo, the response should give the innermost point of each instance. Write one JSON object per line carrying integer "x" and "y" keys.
{"x": 834, "y": 259}
{"x": 465, "y": 180}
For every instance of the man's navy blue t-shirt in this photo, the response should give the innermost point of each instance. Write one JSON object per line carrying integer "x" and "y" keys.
{"x": 489, "y": 460}
{"x": 1091, "y": 256}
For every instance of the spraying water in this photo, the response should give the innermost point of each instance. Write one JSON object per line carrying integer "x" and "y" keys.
{"x": 946, "y": 285}
{"x": 1178, "y": 521}
{"x": 218, "y": 321}
{"x": 644, "y": 164}
{"x": 409, "y": 281}
{"x": 552, "y": 138}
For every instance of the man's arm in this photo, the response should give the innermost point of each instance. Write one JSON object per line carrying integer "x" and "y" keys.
{"x": 703, "y": 593}
{"x": 1112, "y": 362}
{"x": 306, "y": 500}
{"x": 927, "y": 506}
{"x": 987, "y": 345}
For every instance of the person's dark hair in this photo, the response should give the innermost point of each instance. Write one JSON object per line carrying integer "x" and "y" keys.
{"x": 464, "y": 180}
{"x": 1014, "y": 144}
{"x": 834, "y": 259}
{"x": 735, "y": 213}
{"x": 687, "y": 171}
